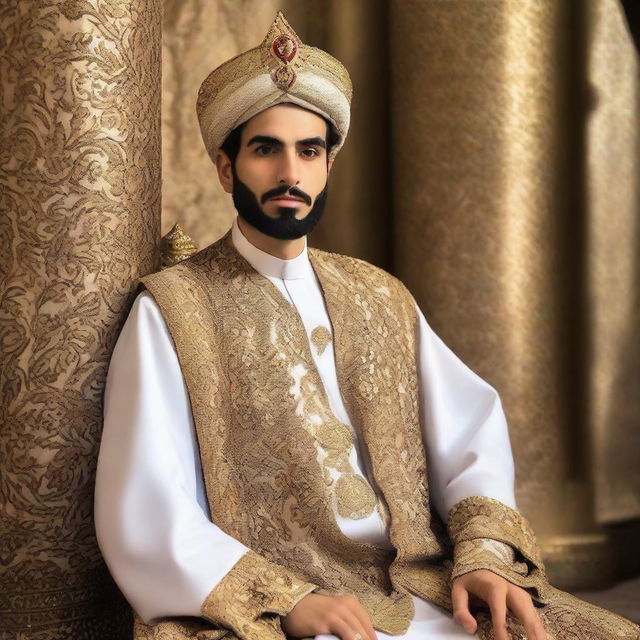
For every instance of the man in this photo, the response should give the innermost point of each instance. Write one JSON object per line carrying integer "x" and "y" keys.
{"x": 270, "y": 411}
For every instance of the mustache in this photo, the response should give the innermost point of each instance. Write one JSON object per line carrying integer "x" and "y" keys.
{"x": 285, "y": 188}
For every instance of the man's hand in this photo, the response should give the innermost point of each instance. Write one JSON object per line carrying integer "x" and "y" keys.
{"x": 342, "y": 616}
{"x": 498, "y": 594}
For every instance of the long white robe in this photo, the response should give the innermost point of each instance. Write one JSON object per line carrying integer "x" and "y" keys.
{"x": 151, "y": 512}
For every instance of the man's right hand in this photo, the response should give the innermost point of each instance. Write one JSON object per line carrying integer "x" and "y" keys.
{"x": 342, "y": 616}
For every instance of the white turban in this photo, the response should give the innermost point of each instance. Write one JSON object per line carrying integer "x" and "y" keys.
{"x": 281, "y": 69}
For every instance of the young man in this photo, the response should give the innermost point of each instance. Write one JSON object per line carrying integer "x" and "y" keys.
{"x": 271, "y": 413}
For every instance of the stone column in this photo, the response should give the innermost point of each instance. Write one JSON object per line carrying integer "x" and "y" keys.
{"x": 79, "y": 223}
{"x": 613, "y": 169}
{"x": 489, "y": 105}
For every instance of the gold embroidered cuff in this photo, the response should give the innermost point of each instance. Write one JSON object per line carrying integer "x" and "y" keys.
{"x": 252, "y": 596}
{"x": 480, "y": 527}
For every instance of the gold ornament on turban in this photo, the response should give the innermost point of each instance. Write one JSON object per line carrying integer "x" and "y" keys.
{"x": 280, "y": 69}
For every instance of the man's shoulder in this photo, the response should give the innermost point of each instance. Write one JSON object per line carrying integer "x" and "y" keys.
{"x": 185, "y": 269}
{"x": 358, "y": 268}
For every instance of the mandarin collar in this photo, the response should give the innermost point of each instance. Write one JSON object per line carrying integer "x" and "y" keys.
{"x": 295, "y": 269}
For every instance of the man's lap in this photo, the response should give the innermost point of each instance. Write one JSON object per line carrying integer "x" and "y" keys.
{"x": 429, "y": 621}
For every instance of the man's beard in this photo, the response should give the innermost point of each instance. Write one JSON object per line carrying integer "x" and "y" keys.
{"x": 285, "y": 227}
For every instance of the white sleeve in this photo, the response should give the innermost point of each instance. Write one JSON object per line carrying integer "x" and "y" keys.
{"x": 151, "y": 513}
{"x": 463, "y": 426}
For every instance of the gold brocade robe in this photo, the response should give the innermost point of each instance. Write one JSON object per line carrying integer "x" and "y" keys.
{"x": 267, "y": 438}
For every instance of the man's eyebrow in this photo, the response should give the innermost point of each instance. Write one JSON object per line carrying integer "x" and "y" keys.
{"x": 264, "y": 140}
{"x": 318, "y": 141}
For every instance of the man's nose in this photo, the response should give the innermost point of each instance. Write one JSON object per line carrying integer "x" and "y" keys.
{"x": 289, "y": 168}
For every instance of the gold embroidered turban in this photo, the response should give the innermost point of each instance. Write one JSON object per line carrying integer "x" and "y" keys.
{"x": 280, "y": 69}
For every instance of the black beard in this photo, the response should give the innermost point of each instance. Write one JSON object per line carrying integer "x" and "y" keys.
{"x": 286, "y": 227}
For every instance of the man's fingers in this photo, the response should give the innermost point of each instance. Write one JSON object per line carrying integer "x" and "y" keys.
{"x": 498, "y": 605}
{"x": 347, "y": 627}
{"x": 461, "y": 613}
{"x": 520, "y": 604}
{"x": 363, "y": 617}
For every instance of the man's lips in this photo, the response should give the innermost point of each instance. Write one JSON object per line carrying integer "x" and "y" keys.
{"x": 287, "y": 194}
{"x": 289, "y": 198}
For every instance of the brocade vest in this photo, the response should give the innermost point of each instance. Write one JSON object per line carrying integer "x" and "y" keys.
{"x": 266, "y": 431}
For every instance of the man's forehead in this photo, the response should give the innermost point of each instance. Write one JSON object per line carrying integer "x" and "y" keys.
{"x": 285, "y": 120}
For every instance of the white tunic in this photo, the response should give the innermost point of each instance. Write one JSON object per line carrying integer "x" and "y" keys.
{"x": 151, "y": 512}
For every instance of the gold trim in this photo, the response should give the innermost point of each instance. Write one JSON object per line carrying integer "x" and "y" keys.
{"x": 254, "y": 588}
{"x": 475, "y": 519}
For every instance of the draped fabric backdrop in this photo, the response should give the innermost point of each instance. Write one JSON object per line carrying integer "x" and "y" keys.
{"x": 80, "y": 213}
{"x": 492, "y": 165}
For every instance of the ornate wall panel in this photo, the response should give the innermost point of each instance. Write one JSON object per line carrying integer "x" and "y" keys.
{"x": 613, "y": 170}
{"x": 79, "y": 201}
{"x": 198, "y": 35}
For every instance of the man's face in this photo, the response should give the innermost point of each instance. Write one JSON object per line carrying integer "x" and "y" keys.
{"x": 280, "y": 173}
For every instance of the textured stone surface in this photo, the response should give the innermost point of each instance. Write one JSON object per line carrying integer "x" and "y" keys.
{"x": 478, "y": 227}
{"x": 613, "y": 182}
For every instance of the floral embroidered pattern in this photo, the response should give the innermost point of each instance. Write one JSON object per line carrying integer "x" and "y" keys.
{"x": 473, "y": 520}
{"x": 565, "y": 617}
{"x": 80, "y": 197}
{"x": 511, "y": 552}
{"x": 265, "y": 427}
{"x": 252, "y": 590}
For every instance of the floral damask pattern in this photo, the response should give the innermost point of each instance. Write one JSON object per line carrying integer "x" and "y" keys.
{"x": 79, "y": 203}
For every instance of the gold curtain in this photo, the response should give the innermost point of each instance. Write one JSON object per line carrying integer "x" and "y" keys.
{"x": 492, "y": 164}
{"x": 79, "y": 223}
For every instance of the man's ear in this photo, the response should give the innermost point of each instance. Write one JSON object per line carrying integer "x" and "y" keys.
{"x": 225, "y": 173}
{"x": 329, "y": 165}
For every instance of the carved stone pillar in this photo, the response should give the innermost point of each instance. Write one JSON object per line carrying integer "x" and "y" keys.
{"x": 79, "y": 223}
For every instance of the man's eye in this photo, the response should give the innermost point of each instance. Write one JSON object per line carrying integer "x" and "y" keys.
{"x": 264, "y": 149}
{"x": 310, "y": 152}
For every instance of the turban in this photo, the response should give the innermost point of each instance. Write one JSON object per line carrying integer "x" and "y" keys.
{"x": 280, "y": 69}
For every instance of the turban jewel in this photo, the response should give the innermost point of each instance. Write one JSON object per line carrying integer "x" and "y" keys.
{"x": 281, "y": 69}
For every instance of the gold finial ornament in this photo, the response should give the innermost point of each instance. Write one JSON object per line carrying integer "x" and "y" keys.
{"x": 285, "y": 43}
{"x": 175, "y": 247}
{"x": 280, "y": 69}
